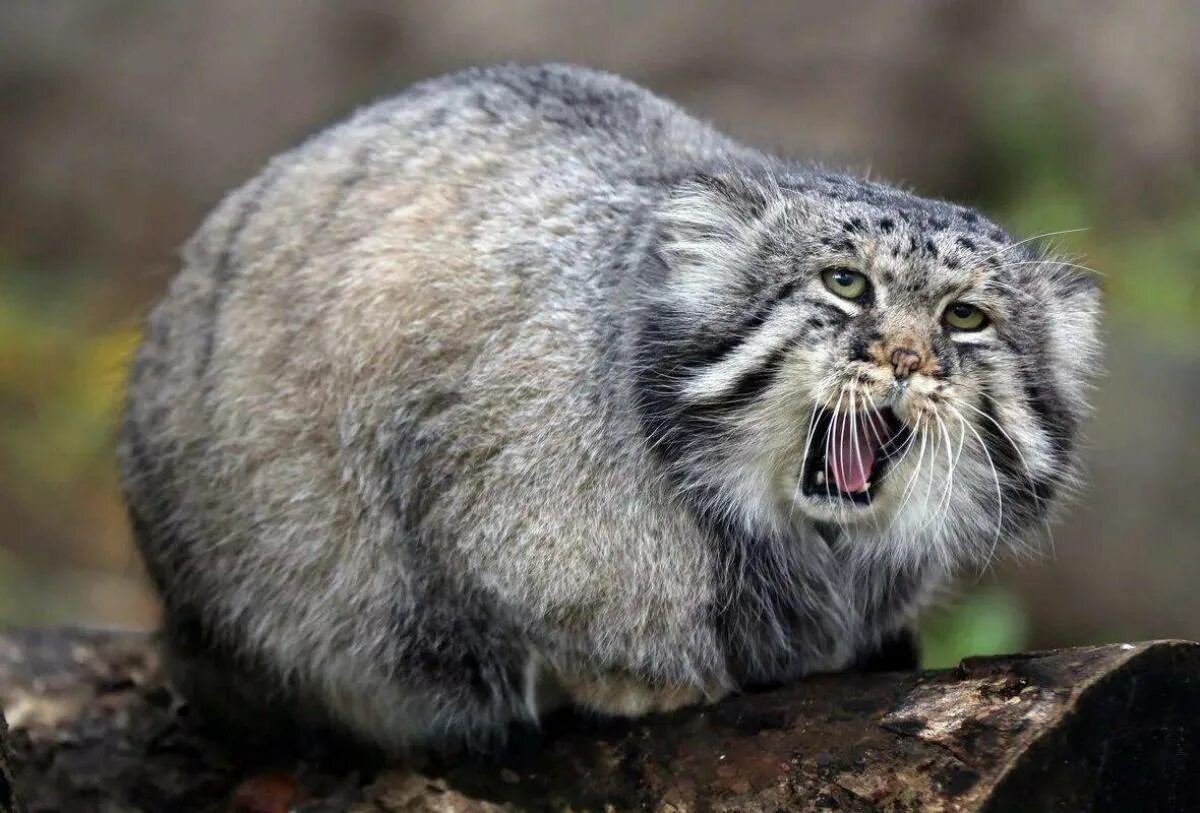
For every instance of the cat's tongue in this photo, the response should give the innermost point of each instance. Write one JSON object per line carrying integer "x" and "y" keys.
{"x": 853, "y": 455}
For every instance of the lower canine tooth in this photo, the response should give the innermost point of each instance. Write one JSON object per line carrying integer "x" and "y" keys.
{"x": 866, "y": 486}
{"x": 819, "y": 478}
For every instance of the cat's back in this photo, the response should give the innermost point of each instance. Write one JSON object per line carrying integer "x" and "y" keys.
{"x": 357, "y": 332}
{"x": 429, "y": 266}
{"x": 442, "y": 191}
{"x": 486, "y": 146}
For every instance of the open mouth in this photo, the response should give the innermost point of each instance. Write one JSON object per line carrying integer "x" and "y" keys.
{"x": 849, "y": 455}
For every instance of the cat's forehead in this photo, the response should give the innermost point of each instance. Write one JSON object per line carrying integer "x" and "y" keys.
{"x": 849, "y": 197}
{"x": 932, "y": 253}
{"x": 914, "y": 245}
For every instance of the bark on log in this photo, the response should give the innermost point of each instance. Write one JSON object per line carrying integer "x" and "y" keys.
{"x": 8, "y": 795}
{"x": 1109, "y": 728}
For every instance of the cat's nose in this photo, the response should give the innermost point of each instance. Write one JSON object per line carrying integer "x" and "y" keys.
{"x": 904, "y": 361}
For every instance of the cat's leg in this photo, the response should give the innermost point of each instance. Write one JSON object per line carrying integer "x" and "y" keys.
{"x": 622, "y": 694}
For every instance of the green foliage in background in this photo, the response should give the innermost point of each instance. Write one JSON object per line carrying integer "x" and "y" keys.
{"x": 65, "y": 556}
{"x": 987, "y": 621}
{"x": 1037, "y": 178}
{"x": 60, "y": 388}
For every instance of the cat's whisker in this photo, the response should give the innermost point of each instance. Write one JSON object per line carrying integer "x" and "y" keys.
{"x": 1002, "y": 431}
{"x": 904, "y": 497}
{"x": 812, "y": 422}
{"x": 918, "y": 473}
{"x": 949, "y": 496}
{"x": 854, "y": 427}
{"x": 1051, "y": 261}
{"x": 909, "y": 445}
{"x": 839, "y": 429}
{"x": 1035, "y": 237}
{"x": 831, "y": 457}
{"x": 873, "y": 420}
{"x": 937, "y": 444}
{"x": 946, "y": 491}
{"x": 1028, "y": 487}
{"x": 902, "y": 455}
{"x": 999, "y": 491}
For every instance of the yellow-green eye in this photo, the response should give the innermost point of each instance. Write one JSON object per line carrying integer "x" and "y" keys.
{"x": 846, "y": 283}
{"x": 961, "y": 316}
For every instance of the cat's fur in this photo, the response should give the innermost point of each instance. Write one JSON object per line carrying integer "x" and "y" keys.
{"x": 497, "y": 395}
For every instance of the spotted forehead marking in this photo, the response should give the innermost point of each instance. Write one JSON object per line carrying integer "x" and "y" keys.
{"x": 918, "y": 254}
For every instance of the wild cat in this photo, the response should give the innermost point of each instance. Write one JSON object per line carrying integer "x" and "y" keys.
{"x": 525, "y": 387}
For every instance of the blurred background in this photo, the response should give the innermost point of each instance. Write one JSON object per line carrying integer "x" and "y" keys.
{"x": 123, "y": 121}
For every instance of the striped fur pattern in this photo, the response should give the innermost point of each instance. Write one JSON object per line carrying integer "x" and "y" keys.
{"x": 499, "y": 395}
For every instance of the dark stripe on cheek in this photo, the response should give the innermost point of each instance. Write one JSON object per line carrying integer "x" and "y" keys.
{"x": 1026, "y": 495}
{"x": 726, "y": 345}
{"x": 1058, "y": 424}
{"x": 1053, "y": 415}
{"x": 754, "y": 382}
{"x": 1004, "y": 454}
{"x": 815, "y": 324}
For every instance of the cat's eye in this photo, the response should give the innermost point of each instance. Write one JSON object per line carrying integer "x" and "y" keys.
{"x": 961, "y": 316}
{"x": 846, "y": 283}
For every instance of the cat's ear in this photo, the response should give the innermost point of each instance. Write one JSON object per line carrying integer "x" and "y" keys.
{"x": 706, "y": 237}
{"x": 1076, "y": 287}
{"x": 1074, "y": 307}
{"x": 705, "y": 208}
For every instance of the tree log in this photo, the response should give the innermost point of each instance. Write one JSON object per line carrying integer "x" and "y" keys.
{"x": 8, "y": 793}
{"x": 94, "y": 726}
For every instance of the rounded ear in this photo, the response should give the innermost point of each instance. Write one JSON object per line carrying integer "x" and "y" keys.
{"x": 1074, "y": 307}
{"x": 1077, "y": 286}
{"x": 704, "y": 206}
{"x": 705, "y": 236}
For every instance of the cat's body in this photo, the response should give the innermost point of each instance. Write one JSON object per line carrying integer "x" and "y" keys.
{"x": 499, "y": 395}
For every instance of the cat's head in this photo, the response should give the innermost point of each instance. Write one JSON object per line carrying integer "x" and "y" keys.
{"x": 822, "y": 348}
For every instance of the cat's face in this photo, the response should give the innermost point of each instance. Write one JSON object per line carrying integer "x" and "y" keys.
{"x": 844, "y": 352}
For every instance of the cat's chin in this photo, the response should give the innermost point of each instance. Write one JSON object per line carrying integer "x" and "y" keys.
{"x": 840, "y": 511}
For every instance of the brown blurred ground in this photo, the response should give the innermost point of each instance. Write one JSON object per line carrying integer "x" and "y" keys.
{"x": 125, "y": 120}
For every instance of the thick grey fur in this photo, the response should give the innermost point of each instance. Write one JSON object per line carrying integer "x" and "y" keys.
{"x": 496, "y": 396}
